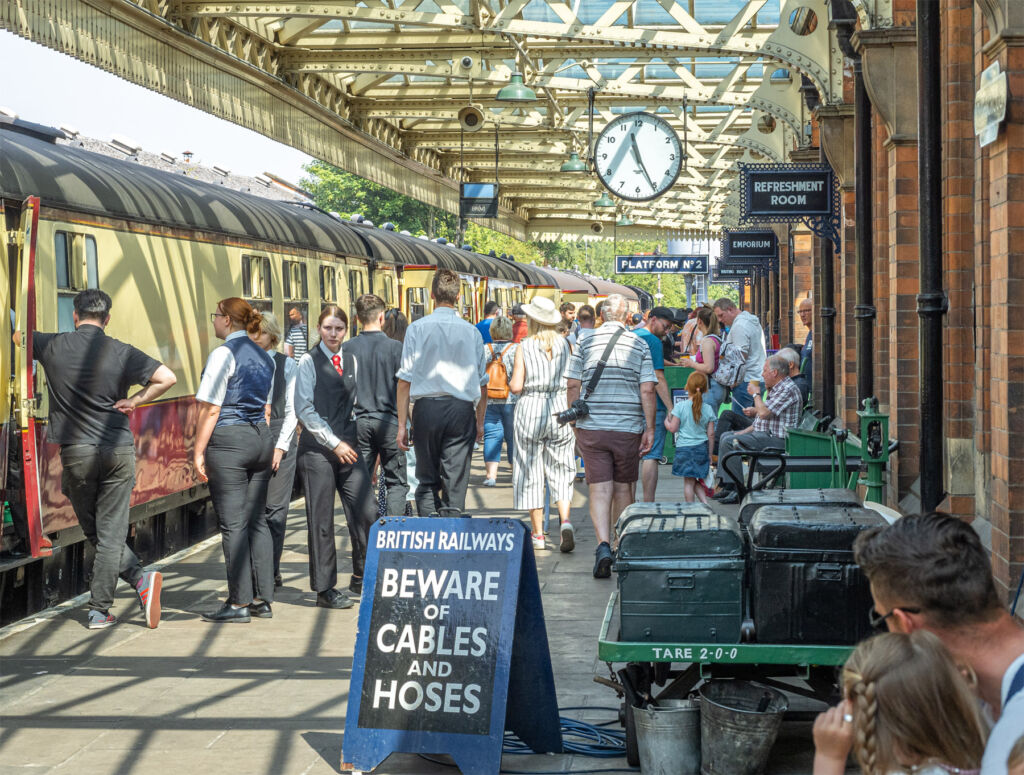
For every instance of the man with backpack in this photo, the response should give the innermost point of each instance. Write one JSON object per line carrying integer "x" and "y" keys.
{"x": 377, "y": 358}
{"x": 498, "y": 427}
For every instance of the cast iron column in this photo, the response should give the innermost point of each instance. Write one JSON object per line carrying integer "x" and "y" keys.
{"x": 931, "y": 301}
{"x": 865, "y": 309}
{"x": 827, "y": 311}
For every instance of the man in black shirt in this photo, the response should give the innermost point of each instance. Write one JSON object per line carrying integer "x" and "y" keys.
{"x": 88, "y": 375}
{"x": 378, "y": 358}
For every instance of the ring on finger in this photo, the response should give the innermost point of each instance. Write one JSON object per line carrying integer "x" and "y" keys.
{"x": 848, "y": 718}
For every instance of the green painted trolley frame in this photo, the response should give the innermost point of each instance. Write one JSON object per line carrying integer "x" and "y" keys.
{"x": 609, "y": 650}
{"x": 651, "y": 664}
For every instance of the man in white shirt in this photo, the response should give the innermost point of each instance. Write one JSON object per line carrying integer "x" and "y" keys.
{"x": 931, "y": 572}
{"x": 747, "y": 338}
{"x": 444, "y": 373}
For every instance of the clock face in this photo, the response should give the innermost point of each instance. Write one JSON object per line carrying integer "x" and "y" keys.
{"x": 638, "y": 156}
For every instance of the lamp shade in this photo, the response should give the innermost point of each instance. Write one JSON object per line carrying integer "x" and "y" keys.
{"x": 604, "y": 201}
{"x": 574, "y": 164}
{"x": 623, "y": 221}
{"x": 516, "y": 91}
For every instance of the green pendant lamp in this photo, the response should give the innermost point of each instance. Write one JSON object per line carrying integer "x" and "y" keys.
{"x": 623, "y": 221}
{"x": 516, "y": 90}
{"x": 604, "y": 201}
{"x": 574, "y": 164}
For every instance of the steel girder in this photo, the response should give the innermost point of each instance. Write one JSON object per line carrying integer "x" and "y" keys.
{"x": 386, "y": 76}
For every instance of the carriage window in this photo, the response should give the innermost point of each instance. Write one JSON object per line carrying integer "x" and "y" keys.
{"x": 416, "y": 299}
{"x": 356, "y": 289}
{"x": 467, "y": 301}
{"x": 77, "y": 269}
{"x": 294, "y": 280}
{"x": 387, "y": 291}
{"x": 328, "y": 287}
{"x": 257, "y": 287}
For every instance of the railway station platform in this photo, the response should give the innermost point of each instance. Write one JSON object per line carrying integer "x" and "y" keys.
{"x": 269, "y": 698}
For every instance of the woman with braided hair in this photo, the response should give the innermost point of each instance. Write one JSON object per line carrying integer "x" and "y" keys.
{"x": 908, "y": 708}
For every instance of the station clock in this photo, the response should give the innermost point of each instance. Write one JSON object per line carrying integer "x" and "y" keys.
{"x": 638, "y": 156}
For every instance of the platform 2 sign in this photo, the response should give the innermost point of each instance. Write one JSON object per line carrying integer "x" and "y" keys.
{"x": 661, "y": 264}
{"x": 786, "y": 192}
{"x": 451, "y": 648}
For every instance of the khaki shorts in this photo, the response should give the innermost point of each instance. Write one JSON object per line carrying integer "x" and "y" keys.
{"x": 609, "y": 455}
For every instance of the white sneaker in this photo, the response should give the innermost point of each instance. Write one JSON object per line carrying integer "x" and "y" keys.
{"x": 568, "y": 538}
{"x": 538, "y": 542}
{"x": 490, "y": 482}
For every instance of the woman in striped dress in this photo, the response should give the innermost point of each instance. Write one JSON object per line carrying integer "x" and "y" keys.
{"x": 543, "y": 450}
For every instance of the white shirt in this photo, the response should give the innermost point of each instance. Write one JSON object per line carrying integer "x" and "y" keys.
{"x": 443, "y": 355}
{"x": 1009, "y": 728}
{"x": 746, "y": 335}
{"x": 220, "y": 368}
{"x": 305, "y": 387}
{"x": 284, "y": 439}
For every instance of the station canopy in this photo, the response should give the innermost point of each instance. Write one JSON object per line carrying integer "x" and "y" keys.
{"x": 729, "y": 75}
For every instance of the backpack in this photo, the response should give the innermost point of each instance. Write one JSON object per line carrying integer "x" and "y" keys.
{"x": 497, "y": 375}
{"x": 730, "y": 366}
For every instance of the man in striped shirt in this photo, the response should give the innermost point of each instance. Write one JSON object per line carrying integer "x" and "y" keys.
{"x": 620, "y": 426}
{"x": 296, "y": 341}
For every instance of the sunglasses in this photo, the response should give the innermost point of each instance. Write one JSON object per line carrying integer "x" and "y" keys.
{"x": 878, "y": 620}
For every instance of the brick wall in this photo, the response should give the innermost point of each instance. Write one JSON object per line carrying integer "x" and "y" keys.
{"x": 1006, "y": 213}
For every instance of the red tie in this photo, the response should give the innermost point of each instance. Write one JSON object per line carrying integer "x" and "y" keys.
{"x": 336, "y": 360}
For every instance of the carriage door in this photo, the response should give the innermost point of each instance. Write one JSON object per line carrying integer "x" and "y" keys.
{"x": 24, "y": 395}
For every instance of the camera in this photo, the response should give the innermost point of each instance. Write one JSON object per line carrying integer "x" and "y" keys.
{"x": 578, "y": 409}
{"x": 466, "y": 63}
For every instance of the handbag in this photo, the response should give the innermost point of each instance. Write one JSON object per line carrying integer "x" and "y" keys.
{"x": 730, "y": 366}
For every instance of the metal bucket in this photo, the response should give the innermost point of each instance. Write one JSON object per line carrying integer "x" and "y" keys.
{"x": 739, "y": 724}
{"x": 668, "y": 737}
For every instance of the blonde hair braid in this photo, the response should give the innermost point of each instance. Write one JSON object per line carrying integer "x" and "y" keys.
{"x": 865, "y": 732}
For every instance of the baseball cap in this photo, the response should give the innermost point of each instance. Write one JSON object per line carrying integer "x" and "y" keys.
{"x": 664, "y": 313}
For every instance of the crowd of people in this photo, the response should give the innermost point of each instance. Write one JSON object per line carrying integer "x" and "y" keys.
{"x": 408, "y": 403}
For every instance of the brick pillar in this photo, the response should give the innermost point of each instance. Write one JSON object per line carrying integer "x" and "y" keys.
{"x": 1006, "y": 199}
{"x": 846, "y": 323}
{"x": 904, "y": 384}
{"x": 880, "y": 197}
{"x": 785, "y": 303}
{"x": 958, "y": 253}
{"x": 982, "y": 304}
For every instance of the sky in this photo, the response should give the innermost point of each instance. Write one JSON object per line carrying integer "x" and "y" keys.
{"x": 54, "y": 89}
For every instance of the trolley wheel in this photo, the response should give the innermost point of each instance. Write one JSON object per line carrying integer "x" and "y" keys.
{"x": 664, "y": 460}
{"x": 632, "y": 749}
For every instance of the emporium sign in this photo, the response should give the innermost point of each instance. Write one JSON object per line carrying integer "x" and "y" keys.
{"x": 786, "y": 192}
{"x": 451, "y": 648}
{"x": 661, "y": 264}
{"x": 749, "y": 246}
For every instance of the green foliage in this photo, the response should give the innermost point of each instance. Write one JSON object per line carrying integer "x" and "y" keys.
{"x": 338, "y": 191}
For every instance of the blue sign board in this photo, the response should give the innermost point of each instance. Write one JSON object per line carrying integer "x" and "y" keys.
{"x": 749, "y": 246}
{"x": 661, "y": 264}
{"x": 451, "y": 649}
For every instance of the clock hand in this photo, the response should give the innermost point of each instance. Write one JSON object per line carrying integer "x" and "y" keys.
{"x": 639, "y": 161}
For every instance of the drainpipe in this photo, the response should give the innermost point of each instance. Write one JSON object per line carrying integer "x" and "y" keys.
{"x": 931, "y": 301}
{"x": 865, "y": 311}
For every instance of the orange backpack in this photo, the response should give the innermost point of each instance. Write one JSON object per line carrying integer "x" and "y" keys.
{"x": 497, "y": 375}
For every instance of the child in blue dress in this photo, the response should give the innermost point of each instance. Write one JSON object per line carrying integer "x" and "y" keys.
{"x": 693, "y": 423}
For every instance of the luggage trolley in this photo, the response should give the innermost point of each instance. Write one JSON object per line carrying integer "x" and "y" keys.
{"x": 696, "y": 590}
{"x": 647, "y": 665}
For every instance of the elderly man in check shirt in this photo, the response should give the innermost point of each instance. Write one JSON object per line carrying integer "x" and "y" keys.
{"x": 444, "y": 372}
{"x": 772, "y": 419}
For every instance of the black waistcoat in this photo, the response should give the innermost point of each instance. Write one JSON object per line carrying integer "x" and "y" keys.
{"x": 333, "y": 398}
{"x": 277, "y": 399}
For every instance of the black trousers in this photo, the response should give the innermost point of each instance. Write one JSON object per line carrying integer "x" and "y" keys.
{"x": 729, "y": 421}
{"x": 238, "y": 465}
{"x": 378, "y": 438}
{"x": 323, "y": 475}
{"x": 443, "y": 431}
{"x": 279, "y": 493}
{"x": 98, "y": 481}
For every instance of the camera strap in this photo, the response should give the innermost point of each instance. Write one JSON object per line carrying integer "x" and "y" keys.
{"x": 599, "y": 369}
